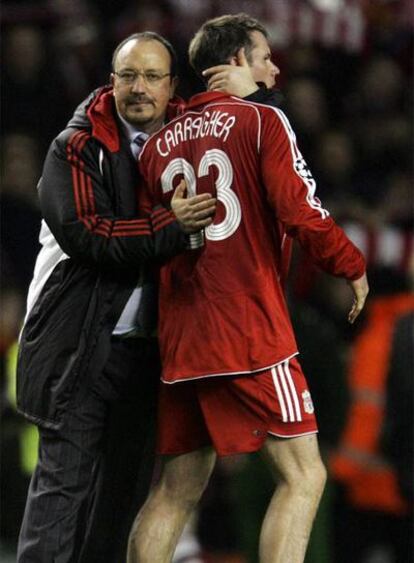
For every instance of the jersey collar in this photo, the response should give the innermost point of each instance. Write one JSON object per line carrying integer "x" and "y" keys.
{"x": 206, "y": 98}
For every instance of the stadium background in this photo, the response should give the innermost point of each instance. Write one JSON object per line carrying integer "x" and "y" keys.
{"x": 346, "y": 74}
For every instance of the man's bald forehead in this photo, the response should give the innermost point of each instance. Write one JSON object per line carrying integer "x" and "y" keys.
{"x": 132, "y": 43}
{"x": 146, "y": 36}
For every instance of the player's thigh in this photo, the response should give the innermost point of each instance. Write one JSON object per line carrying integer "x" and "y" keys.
{"x": 188, "y": 472}
{"x": 293, "y": 457}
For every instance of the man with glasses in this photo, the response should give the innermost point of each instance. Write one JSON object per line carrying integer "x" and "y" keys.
{"x": 88, "y": 366}
{"x": 88, "y": 362}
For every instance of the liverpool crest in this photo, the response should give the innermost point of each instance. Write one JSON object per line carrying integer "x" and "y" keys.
{"x": 307, "y": 402}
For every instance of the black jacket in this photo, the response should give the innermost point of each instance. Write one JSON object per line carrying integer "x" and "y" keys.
{"x": 95, "y": 249}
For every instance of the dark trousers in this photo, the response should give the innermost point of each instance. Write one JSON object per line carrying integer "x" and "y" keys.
{"x": 94, "y": 473}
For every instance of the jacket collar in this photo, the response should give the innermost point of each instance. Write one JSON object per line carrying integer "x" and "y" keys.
{"x": 102, "y": 116}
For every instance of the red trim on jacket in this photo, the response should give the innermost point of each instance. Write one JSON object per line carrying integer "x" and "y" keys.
{"x": 85, "y": 200}
{"x": 101, "y": 114}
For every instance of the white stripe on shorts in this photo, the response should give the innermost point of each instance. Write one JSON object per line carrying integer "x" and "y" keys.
{"x": 279, "y": 395}
{"x": 286, "y": 393}
{"x": 293, "y": 390}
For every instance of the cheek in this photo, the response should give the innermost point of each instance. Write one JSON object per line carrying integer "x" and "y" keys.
{"x": 259, "y": 71}
{"x": 162, "y": 99}
{"x": 120, "y": 97}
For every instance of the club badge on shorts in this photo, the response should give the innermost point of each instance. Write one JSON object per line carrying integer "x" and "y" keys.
{"x": 307, "y": 402}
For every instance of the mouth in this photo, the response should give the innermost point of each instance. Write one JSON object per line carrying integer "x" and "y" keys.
{"x": 139, "y": 103}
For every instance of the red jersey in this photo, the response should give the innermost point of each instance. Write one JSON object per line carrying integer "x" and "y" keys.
{"x": 222, "y": 307}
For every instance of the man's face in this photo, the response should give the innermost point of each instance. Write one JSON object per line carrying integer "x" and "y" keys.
{"x": 141, "y": 102}
{"x": 260, "y": 60}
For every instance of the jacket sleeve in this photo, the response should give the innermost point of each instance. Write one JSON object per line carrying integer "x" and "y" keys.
{"x": 78, "y": 207}
{"x": 291, "y": 192}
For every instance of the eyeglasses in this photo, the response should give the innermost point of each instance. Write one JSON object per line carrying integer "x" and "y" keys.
{"x": 150, "y": 77}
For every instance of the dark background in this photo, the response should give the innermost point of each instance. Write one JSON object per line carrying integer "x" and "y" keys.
{"x": 346, "y": 75}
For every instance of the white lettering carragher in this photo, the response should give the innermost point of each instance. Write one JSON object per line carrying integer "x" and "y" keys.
{"x": 216, "y": 124}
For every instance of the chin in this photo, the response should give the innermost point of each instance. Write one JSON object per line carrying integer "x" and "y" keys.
{"x": 139, "y": 117}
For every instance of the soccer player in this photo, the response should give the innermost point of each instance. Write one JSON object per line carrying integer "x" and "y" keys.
{"x": 232, "y": 379}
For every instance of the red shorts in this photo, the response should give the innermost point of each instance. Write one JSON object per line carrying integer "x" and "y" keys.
{"x": 235, "y": 414}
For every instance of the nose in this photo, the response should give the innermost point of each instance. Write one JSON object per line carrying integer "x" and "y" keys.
{"x": 275, "y": 70}
{"x": 139, "y": 84}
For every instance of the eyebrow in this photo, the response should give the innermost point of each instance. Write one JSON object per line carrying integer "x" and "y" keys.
{"x": 129, "y": 69}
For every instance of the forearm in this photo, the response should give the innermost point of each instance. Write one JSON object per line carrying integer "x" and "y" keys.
{"x": 331, "y": 249}
{"x": 78, "y": 208}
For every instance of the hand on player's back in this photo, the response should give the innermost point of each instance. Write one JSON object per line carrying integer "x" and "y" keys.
{"x": 193, "y": 213}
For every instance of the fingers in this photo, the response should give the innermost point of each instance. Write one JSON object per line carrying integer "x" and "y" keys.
{"x": 194, "y": 213}
{"x": 360, "y": 289}
{"x": 202, "y": 200}
{"x": 355, "y": 311}
{"x": 214, "y": 70}
{"x": 241, "y": 59}
{"x": 218, "y": 81}
{"x": 205, "y": 200}
{"x": 217, "y": 87}
{"x": 180, "y": 190}
{"x": 201, "y": 212}
{"x": 201, "y": 224}
{"x": 192, "y": 225}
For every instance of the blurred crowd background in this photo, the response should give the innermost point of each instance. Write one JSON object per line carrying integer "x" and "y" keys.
{"x": 346, "y": 75}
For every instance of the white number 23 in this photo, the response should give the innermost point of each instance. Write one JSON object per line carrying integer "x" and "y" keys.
{"x": 213, "y": 157}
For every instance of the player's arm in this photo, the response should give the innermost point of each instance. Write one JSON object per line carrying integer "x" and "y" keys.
{"x": 78, "y": 208}
{"x": 291, "y": 192}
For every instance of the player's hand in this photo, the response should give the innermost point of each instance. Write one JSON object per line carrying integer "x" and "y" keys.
{"x": 360, "y": 290}
{"x": 236, "y": 80}
{"x": 193, "y": 213}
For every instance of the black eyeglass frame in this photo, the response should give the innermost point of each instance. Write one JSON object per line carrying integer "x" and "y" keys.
{"x": 134, "y": 74}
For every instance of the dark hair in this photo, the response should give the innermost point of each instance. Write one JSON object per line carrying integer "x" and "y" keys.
{"x": 148, "y": 36}
{"x": 221, "y": 38}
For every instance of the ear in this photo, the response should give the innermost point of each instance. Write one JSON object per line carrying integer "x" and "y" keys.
{"x": 241, "y": 58}
{"x": 234, "y": 61}
{"x": 112, "y": 78}
{"x": 173, "y": 86}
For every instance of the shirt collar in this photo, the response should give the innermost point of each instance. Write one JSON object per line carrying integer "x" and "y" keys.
{"x": 129, "y": 129}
